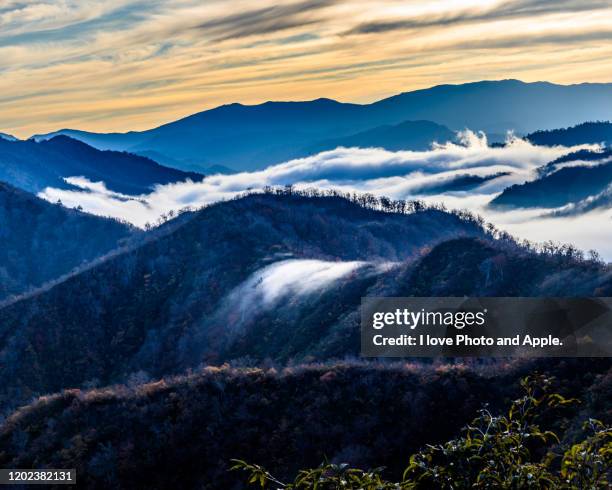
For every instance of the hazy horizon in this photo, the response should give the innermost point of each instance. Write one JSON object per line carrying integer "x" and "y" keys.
{"x": 199, "y": 110}
{"x": 297, "y": 99}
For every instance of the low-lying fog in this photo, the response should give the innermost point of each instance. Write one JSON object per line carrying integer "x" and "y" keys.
{"x": 426, "y": 175}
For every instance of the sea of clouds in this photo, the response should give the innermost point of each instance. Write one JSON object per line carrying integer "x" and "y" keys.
{"x": 399, "y": 175}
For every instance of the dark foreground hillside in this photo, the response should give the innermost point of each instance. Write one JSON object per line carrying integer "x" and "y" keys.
{"x": 182, "y": 432}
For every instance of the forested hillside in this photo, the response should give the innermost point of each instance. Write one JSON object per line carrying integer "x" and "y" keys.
{"x": 162, "y": 307}
{"x": 42, "y": 241}
{"x": 275, "y": 276}
{"x": 183, "y": 432}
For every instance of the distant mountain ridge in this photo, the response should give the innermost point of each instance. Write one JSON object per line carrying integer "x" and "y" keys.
{"x": 32, "y": 166}
{"x": 7, "y": 137}
{"x": 408, "y": 135}
{"x": 253, "y": 137}
{"x": 588, "y": 174}
{"x": 580, "y": 179}
{"x": 599, "y": 132}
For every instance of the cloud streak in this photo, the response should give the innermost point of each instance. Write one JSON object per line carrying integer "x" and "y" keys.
{"x": 288, "y": 278}
{"x": 490, "y": 11}
{"x": 600, "y": 202}
{"x": 267, "y": 20}
{"x": 288, "y": 281}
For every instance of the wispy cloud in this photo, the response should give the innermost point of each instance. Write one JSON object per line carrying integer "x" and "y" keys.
{"x": 600, "y": 202}
{"x": 288, "y": 278}
{"x": 294, "y": 282}
{"x": 267, "y": 20}
{"x": 288, "y": 281}
{"x": 474, "y": 12}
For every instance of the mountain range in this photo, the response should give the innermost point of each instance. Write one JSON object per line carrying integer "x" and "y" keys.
{"x": 253, "y": 137}
{"x": 586, "y": 133}
{"x": 7, "y": 137}
{"x": 151, "y": 358}
{"x": 159, "y": 307}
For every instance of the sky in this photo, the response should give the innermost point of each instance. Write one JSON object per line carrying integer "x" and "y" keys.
{"x": 119, "y": 65}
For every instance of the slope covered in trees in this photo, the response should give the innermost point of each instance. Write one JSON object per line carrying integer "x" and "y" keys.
{"x": 457, "y": 267}
{"x": 42, "y": 241}
{"x": 515, "y": 449}
{"x": 183, "y": 432}
{"x": 275, "y": 276}
{"x": 161, "y": 307}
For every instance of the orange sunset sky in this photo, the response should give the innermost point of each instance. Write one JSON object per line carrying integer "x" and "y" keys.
{"x": 118, "y": 65}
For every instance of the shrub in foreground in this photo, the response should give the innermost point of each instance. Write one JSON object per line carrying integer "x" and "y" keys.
{"x": 510, "y": 451}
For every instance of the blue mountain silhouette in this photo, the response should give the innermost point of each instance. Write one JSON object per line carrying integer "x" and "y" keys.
{"x": 251, "y": 137}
